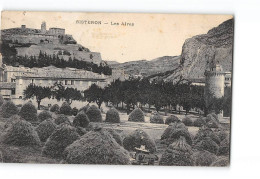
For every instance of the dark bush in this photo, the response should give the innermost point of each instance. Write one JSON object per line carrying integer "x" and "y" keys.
{"x": 55, "y": 108}
{"x": 138, "y": 138}
{"x": 96, "y": 147}
{"x": 207, "y": 144}
{"x": 224, "y": 147}
{"x": 206, "y": 132}
{"x": 84, "y": 109}
{"x": 62, "y": 119}
{"x": 187, "y": 121}
{"x": 10, "y": 121}
{"x": 174, "y": 131}
{"x": 1, "y": 100}
{"x": 222, "y": 134}
{"x": 136, "y": 115}
{"x": 157, "y": 118}
{"x": 9, "y": 109}
{"x": 213, "y": 124}
{"x": 45, "y": 129}
{"x": 63, "y": 136}
{"x": 21, "y": 133}
{"x": 81, "y": 131}
{"x": 29, "y": 112}
{"x": 112, "y": 115}
{"x": 178, "y": 153}
{"x": 74, "y": 111}
{"x": 204, "y": 158}
{"x": 211, "y": 117}
{"x": 199, "y": 122}
{"x": 44, "y": 115}
{"x": 65, "y": 109}
{"x": 172, "y": 119}
{"x": 116, "y": 136}
{"x": 81, "y": 120}
{"x": 94, "y": 114}
{"x": 221, "y": 162}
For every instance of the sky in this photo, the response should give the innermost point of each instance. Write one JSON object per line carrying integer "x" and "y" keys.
{"x": 149, "y": 37}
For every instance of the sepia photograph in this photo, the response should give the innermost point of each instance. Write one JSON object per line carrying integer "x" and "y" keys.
{"x": 116, "y": 88}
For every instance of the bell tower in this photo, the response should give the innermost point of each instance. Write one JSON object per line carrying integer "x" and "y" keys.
{"x": 43, "y": 27}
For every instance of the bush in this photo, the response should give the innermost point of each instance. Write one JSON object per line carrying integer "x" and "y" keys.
{"x": 178, "y": 153}
{"x": 199, "y": 122}
{"x": 96, "y": 147}
{"x": 116, "y": 136}
{"x": 94, "y": 114}
{"x": 222, "y": 134}
{"x": 206, "y": 132}
{"x": 65, "y": 109}
{"x": 172, "y": 119}
{"x": 29, "y": 112}
{"x": 44, "y": 115}
{"x": 62, "y": 119}
{"x": 187, "y": 121}
{"x": 55, "y": 108}
{"x": 112, "y": 115}
{"x": 84, "y": 109}
{"x": 12, "y": 120}
{"x": 174, "y": 131}
{"x": 213, "y": 124}
{"x": 224, "y": 147}
{"x": 207, "y": 144}
{"x": 74, "y": 111}
{"x": 157, "y": 118}
{"x": 211, "y": 117}
{"x": 138, "y": 138}
{"x": 45, "y": 129}
{"x": 81, "y": 131}
{"x": 21, "y": 133}
{"x": 221, "y": 162}
{"x": 136, "y": 115}
{"x": 63, "y": 136}
{"x": 9, "y": 109}
{"x": 81, "y": 120}
{"x": 204, "y": 158}
{"x": 1, "y": 100}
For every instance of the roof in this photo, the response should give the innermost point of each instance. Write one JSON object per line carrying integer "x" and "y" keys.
{"x": 7, "y": 85}
{"x": 197, "y": 80}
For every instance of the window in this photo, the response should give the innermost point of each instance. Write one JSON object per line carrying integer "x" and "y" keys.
{"x": 13, "y": 91}
{"x": 32, "y": 81}
{"x": 12, "y": 80}
{"x": 72, "y": 82}
{"x": 66, "y": 82}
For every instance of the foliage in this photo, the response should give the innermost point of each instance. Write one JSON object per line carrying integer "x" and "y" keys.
{"x": 62, "y": 119}
{"x": 178, "y": 153}
{"x": 55, "y": 108}
{"x": 21, "y": 133}
{"x": 81, "y": 120}
{"x": 112, "y": 115}
{"x": 116, "y": 136}
{"x": 29, "y": 112}
{"x": 9, "y": 109}
{"x": 187, "y": 121}
{"x": 199, "y": 122}
{"x": 96, "y": 147}
{"x": 157, "y": 118}
{"x": 221, "y": 162}
{"x": 207, "y": 144}
{"x": 38, "y": 92}
{"x": 44, "y": 115}
{"x": 84, "y": 109}
{"x": 136, "y": 115}
{"x": 45, "y": 129}
{"x": 94, "y": 114}
{"x": 94, "y": 94}
{"x": 65, "y": 109}
{"x": 224, "y": 147}
{"x": 12, "y": 120}
{"x": 75, "y": 111}
{"x": 172, "y": 119}
{"x": 206, "y": 132}
{"x": 138, "y": 138}
{"x": 203, "y": 158}
{"x": 1, "y": 100}
{"x": 63, "y": 136}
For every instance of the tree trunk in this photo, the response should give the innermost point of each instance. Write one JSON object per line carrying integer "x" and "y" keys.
{"x": 39, "y": 104}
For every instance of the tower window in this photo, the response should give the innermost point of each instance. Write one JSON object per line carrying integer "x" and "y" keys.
{"x": 13, "y": 91}
{"x": 72, "y": 82}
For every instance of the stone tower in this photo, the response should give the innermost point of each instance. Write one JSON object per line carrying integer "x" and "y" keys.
{"x": 43, "y": 27}
{"x": 215, "y": 82}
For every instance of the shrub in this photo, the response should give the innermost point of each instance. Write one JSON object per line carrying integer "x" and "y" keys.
{"x": 65, "y": 109}
{"x": 138, "y": 138}
{"x": 96, "y": 147}
{"x": 81, "y": 120}
{"x": 12, "y": 120}
{"x": 206, "y": 132}
{"x": 55, "y": 108}
{"x": 44, "y": 115}
{"x": 112, "y": 115}
{"x": 224, "y": 147}
{"x": 187, "y": 121}
{"x": 174, "y": 131}
{"x": 178, "y": 153}
{"x": 63, "y": 136}
{"x": 136, "y": 115}
{"x": 116, "y": 136}
{"x": 29, "y": 112}
{"x": 1, "y": 100}
{"x": 84, "y": 109}
{"x": 81, "y": 131}
{"x": 74, "y": 111}
{"x": 172, "y": 119}
{"x": 221, "y": 162}
{"x": 21, "y": 133}
{"x": 213, "y": 124}
{"x": 45, "y": 129}
{"x": 203, "y": 158}
{"x": 62, "y": 119}
{"x": 211, "y": 117}
{"x": 199, "y": 122}
{"x": 157, "y": 118}
{"x": 222, "y": 134}
{"x": 8, "y": 109}
{"x": 94, "y": 114}
{"x": 207, "y": 144}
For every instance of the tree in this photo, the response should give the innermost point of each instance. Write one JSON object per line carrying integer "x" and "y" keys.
{"x": 71, "y": 94}
{"x": 38, "y": 92}
{"x": 94, "y": 94}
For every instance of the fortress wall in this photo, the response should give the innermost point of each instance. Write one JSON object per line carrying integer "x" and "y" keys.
{"x": 36, "y": 39}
